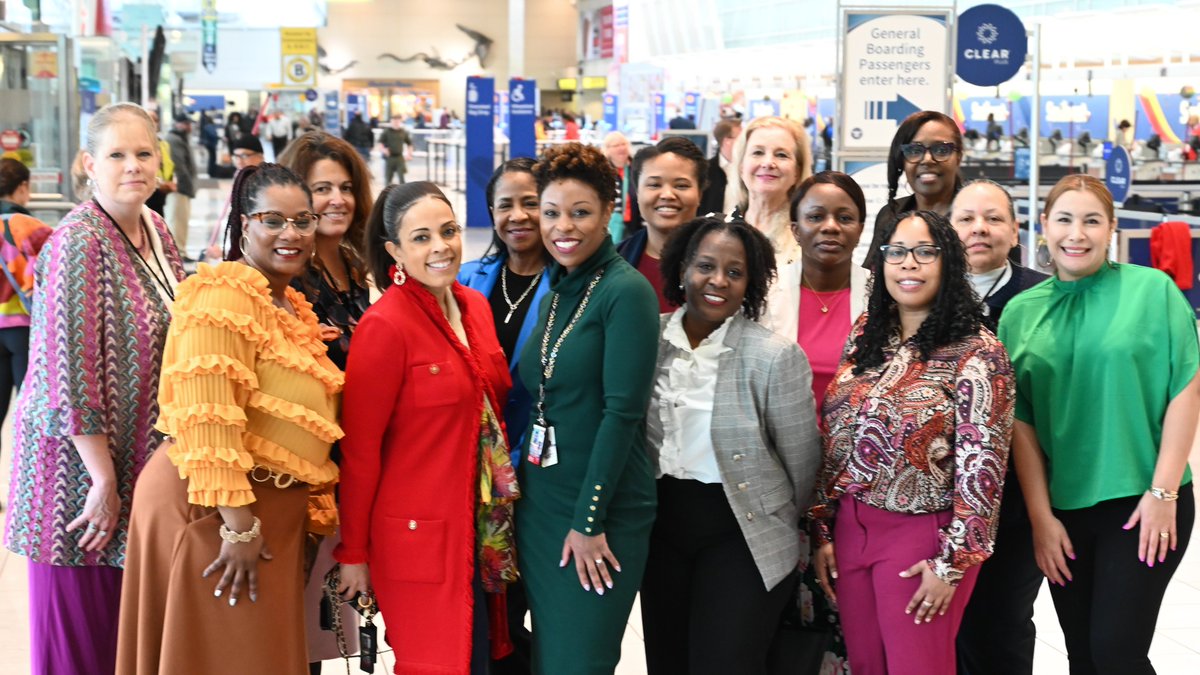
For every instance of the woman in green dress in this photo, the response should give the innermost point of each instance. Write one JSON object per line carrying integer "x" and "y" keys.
{"x": 583, "y": 525}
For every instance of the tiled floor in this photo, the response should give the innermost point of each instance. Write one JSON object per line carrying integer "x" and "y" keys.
{"x": 1176, "y": 649}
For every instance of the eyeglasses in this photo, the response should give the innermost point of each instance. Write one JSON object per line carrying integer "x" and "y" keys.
{"x": 894, "y": 254}
{"x": 941, "y": 151}
{"x": 244, "y": 155}
{"x": 275, "y": 222}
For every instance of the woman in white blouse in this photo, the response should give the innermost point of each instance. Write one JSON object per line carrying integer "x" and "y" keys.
{"x": 732, "y": 432}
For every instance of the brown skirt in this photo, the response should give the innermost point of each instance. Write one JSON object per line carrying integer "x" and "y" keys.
{"x": 170, "y": 621}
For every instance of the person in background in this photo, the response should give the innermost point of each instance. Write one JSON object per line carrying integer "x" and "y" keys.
{"x": 166, "y": 172}
{"x": 927, "y": 150}
{"x": 918, "y": 420}
{"x": 280, "y": 131}
{"x": 680, "y": 121}
{"x": 587, "y": 503}
{"x": 250, "y": 404}
{"x": 997, "y": 633}
{"x": 247, "y": 151}
{"x": 84, "y": 425}
{"x": 733, "y": 438}
{"x": 725, "y": 134}
{"x": 427, "y": 484}
{"x": 179, "y": 201}
{"x": 209, "y": 138}
{"x": 359, "y": 135}
{"x": 1102, "y": 452}
{"x": 233, "y": 128}
{"x": 993, "y": 133}
{"x": 513, "y": 274}
{"x": 770, "y": 160}
{"x": 23, "y": 239}
{"x": 570, "y": 127}
{"x": 618, "y": 151}
{"x": 670, "y": 179}
{"x": 396, "y": 145}
{"x": 335, "y": 282}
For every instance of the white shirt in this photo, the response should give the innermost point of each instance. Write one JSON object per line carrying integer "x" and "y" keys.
{"x": 683, "y": 395}
{"x": 988, "y": 283}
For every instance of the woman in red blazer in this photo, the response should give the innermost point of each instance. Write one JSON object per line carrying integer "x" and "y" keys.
{"x": 427, "y": 486}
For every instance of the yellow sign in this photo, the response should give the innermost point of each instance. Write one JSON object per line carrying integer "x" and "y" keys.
{"x": 595, "y": 83}
{"x": 298, "y": 56}
{"x": 298, "y": 41}
{"x": 45, "y": 65}
{"x": 567, "y": 83}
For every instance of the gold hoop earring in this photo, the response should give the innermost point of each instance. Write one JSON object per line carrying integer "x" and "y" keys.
{"x": 399, "y": 277}
{"x": 242, "y": 244}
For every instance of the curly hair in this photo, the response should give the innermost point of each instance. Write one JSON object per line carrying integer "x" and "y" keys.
{"x": 576, "y": 161}
{"x": 247, "y": 186}
{"x": 313, "y": 146}
{"x": 956, "y": 311}
{"x": 683, "y": 244}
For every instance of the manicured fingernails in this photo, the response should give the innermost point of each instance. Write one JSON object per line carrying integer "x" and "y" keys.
{"x": 217, "y": 593}
{"x": 609, "y": 584}
{"x": 599, "y": 591}
{"x": 587, "y": 587}
{"x": 562, "y": 563}
{"x": 233, "y": 601}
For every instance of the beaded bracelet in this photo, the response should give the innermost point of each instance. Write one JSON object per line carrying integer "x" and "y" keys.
{"x": 242, "y": 537}
{"x": 1164, "y": 494}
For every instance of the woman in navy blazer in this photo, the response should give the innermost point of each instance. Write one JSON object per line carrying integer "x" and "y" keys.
{"x": 511, "y": 275}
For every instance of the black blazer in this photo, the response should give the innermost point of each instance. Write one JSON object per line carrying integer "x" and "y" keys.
{"x": 713, "y": 199}
{"x": 1022, "y": 279}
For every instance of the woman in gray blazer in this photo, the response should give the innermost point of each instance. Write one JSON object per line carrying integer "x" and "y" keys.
{"x": 732, "y": 434}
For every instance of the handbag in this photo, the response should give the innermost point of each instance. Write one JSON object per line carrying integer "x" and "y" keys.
{"x": 331, "y": 620}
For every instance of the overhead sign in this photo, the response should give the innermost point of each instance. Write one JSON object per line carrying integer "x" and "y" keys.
{"x": 894, "y": 63}
{"x": 610, "y": 111}
{"x": 691, "y": 105}
{"x": 522, "y": 113}
{"x": 660, "y": 112}
{"x": 481, "y": 149}
{"x": 1118, "y": 174}
{"x": 298, "y": 52}
{"x": 208, "y": 34}
{"x": 991, "y": 45}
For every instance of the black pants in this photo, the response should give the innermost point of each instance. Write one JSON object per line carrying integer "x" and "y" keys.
{"x": 997, "y": 635}
{"x": 14, "y": 360}
{"x": 704, "y": 606}
{"x": 278, "y": 145}
{"x": 1109, "y": 610}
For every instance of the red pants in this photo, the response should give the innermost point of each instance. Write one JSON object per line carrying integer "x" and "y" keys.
{"x": 873, "y": 547}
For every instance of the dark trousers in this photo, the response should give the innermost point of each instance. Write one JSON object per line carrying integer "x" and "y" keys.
{"x": 704, "y": 606}
{"x": 278, "y": 145}
{"x": 1110, "y": 608}
{"x": 14, "y": 361}
{"x": 997, "y": 634}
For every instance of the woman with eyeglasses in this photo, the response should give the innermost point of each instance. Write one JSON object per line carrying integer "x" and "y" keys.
{"x": 249, "y": 401}
{"x": 918, "y": 419}
{"x": 927, "y": 151}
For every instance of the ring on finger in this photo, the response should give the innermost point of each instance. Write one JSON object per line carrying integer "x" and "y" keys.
{"x": 102, "y": 533}
{"x": 91, "y": 527}
{"x": 599, "y": 561}
{"x": 1164, "y": 535}
{"x": 926, "y": 603}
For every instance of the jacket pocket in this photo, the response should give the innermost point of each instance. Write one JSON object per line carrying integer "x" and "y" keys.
{"x": 411, "y": 550}
{"x": 434, "y": 384}
{"x": 777, "y": 498}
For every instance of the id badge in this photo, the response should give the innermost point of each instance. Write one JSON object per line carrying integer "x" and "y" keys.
{"x": 550, "y": 457}
{"x": 537, "y": 439}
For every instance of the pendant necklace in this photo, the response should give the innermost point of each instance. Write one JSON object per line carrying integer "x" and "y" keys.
{"x": 824, "y": 307}
{"x": 512, "y": 306}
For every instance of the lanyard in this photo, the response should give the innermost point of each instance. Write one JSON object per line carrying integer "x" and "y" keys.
{"x": 550, "y": 356}
{"x": 164, "y": 281}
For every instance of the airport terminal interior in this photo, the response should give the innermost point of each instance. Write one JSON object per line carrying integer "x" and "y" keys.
{"x": 1033, "y": 92}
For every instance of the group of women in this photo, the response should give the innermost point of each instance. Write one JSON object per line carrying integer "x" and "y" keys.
{"x": 726, "y": 413}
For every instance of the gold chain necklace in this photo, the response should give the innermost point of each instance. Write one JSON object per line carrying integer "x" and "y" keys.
{"x": 824, "y": 307}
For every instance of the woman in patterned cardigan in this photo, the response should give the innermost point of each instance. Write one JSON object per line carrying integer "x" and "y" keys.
{"x": 85, "y": 421}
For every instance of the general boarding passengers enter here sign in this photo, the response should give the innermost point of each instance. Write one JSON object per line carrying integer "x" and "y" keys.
{"x": 894, "y": 63}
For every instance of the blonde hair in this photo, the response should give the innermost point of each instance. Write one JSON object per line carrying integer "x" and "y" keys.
{"x": 114, "y": 113}
{"x": 778, "y": 229}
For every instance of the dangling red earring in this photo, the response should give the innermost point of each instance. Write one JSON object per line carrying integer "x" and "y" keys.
{"x": 399, "y": 277}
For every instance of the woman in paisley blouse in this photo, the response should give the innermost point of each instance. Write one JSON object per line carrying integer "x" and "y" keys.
{"x": 918, "y": 419}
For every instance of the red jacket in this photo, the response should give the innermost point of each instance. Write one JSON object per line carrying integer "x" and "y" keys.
{"x": 411, "y": 410}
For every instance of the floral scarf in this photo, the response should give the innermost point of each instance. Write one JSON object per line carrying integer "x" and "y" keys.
{"x": 494, "y": 516}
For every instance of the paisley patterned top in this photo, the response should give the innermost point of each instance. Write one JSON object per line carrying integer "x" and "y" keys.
{"x": 922, "y": 436}
{"x": 99, "y": 324}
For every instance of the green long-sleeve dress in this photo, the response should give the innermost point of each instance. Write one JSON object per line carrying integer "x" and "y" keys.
{"x": 603, "y": 482}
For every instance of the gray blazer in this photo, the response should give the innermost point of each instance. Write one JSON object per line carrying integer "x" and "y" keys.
{"x": 764, "y": 432}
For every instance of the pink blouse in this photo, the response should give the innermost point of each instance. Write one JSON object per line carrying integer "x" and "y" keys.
{"x": 823, "y": 334}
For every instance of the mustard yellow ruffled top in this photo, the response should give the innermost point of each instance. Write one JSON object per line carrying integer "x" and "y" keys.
{"x": 245, "y": 384}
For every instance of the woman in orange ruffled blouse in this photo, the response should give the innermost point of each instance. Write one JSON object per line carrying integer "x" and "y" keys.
{"x": 250, "y": 401}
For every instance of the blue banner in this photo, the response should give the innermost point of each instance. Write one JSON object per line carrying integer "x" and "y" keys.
{"x": 660, "y": 113}
{"x": 333, "y": 123}
{"x": 522, "y": 105}
{"x": 1118, "y": 174}
{"x": 480, "y": 151}
{"x": 610, "y": 111}
{"x": 991, "y": 45}
{"x": 691, "y": 106}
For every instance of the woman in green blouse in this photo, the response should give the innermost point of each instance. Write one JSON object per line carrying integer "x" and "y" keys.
{"x": 588, "y": 504}
{"x": 1106, "y": 360}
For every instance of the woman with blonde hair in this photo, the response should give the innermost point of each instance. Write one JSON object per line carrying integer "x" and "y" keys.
{"x": 771, "y": 159}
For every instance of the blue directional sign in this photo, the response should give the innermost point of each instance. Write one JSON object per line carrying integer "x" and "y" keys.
{"x": 610, "y": 111}
{"x": 481, "y": 149}
{"x": 522, "y": 101}
{"x": 991, "y": 45}
{"x": 1118, "y": 173}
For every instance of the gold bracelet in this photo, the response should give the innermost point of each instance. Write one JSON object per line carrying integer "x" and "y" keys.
{"x": 1164, "y": 494}
{"x": 242, "y": 537}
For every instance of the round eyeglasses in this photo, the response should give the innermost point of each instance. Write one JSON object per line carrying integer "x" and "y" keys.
{"x": 941, "y": 151}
